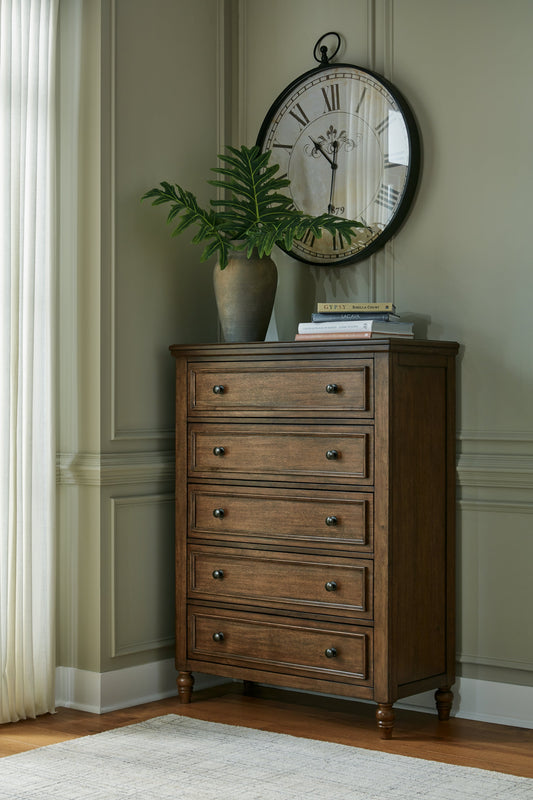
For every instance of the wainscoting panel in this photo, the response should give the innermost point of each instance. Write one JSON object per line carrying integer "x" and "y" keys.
{"x": 496, "y": 594}
{"x": 495, "y": 553}
{"x": 157, "y": 292}
{"x": 142, "y": 568}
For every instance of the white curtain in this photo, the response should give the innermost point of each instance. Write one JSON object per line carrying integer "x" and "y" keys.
{"x": 27, "y": 288}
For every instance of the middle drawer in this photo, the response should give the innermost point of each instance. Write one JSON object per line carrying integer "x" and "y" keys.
{"x": 329, "y": 454}
{"x": 333, "y": 586}
{"x": 282, "y": 517}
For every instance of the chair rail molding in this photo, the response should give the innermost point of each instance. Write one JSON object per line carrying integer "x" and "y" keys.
{"x": 495, "y": 470}
{"x": 108, "y": 469}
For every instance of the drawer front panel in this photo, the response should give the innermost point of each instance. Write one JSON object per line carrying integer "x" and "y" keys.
{"x": 282, "y": 645}
{"x": 276, "y": 388}
{"x": 330, "y": 454}
{"x": 336, "y": 586}
{"x": 292, "y": 519}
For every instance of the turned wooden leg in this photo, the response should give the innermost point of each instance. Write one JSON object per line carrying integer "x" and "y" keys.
{"x": 385, "y": 720}
{"x": 185, "y": 683}
{"x": 444, "y": 699}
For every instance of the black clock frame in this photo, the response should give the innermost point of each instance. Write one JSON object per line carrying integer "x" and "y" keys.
{"x": 413, "y": 172}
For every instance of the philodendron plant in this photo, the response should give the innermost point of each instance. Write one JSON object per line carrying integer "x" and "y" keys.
{"x": 255, "y": 214}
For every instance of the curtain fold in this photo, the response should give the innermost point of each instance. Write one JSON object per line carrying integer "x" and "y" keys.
{"x": 27, "y": 341}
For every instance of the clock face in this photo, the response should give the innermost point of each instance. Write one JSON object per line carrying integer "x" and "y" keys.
{"x": 348, "y": 143}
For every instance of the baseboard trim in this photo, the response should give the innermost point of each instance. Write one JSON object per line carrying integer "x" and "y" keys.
{"x": 100, "y": 692}
{"x": 97, "y": 693}
{"x": 484, "y": 701}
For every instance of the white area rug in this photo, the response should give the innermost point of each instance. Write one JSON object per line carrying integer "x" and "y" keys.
{"x": 176, "y": 758}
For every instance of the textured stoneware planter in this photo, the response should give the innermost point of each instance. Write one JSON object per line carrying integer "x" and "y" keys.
{"x": 245, "y": 291}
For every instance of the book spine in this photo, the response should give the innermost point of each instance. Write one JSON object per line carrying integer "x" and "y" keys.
{"x": 332, "y": 336}
{"x": 333, "y": 316}
{"x": 345, "y": 325}
{"x": 356, "y": 325}
{"x": 315, "y": 337}
{"x": 342, "y": 307}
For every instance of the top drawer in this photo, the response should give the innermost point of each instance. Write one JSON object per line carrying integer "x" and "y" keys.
{"x": 288, "y": 388}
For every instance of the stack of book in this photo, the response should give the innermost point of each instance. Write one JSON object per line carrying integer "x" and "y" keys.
{"x": 354, "y": 321}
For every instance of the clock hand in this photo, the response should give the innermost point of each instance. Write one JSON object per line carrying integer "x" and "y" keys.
{"x": 321, "y": 150}
{"x": 331, "y": 207}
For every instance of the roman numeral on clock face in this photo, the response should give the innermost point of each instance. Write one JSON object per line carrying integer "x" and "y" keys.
{"x": 331, "y": 97}
{"x": 308, "y": 239}
{"x": 338, "y": 241}
{"x": 360, "y": 103}
{"x": 300, "y": 117}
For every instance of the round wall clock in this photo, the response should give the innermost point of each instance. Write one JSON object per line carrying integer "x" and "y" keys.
{"x": 349, "y": 144}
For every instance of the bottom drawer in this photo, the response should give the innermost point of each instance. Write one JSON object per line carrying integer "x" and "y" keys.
{"x": 278, "y": 644}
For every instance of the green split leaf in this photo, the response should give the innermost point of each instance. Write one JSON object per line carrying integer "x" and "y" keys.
{"x": 254, "y": 213}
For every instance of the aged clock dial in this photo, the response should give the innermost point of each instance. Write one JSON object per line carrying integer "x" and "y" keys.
{"x": 349, "y": 144}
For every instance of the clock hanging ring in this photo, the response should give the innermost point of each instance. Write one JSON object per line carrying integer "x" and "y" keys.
{"x": 349, "y": 144}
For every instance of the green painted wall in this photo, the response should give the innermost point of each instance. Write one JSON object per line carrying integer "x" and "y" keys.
{"x": 168, "y": 84}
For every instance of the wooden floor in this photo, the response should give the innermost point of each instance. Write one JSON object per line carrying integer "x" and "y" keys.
{"x": 475, "y": 744}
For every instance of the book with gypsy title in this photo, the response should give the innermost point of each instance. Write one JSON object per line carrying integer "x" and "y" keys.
{"x": 355, "y": 307}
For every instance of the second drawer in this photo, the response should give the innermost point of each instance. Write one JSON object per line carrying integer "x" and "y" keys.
{"x": 336, "y": 586}
{"x": 325, "y": 454}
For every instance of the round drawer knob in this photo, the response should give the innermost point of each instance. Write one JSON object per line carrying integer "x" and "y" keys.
{"x": 331, "y": 652}
{"x": 218, "y": 389}
{"x": 218, "y": 451}
{"x": 218, "y": 574}
{"x": 218, "y": 637}
{"x": 332, "y": 388}
{"x": 331, "y": 586}
{"x": 332, "y": 455}
{"x": 218, "y": 513}
{"x": 331, "y": 521}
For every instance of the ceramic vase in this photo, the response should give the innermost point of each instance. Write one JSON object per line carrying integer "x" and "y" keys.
{"x": 245, "y": 291}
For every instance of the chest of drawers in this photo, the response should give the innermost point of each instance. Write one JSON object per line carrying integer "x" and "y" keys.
{"x": 315, "y": 517}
